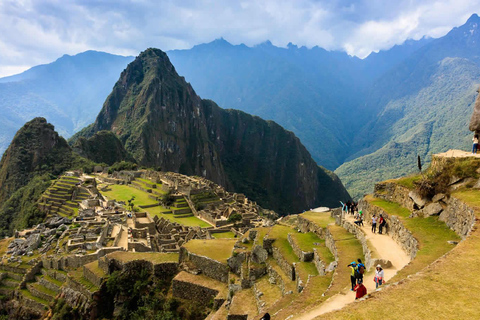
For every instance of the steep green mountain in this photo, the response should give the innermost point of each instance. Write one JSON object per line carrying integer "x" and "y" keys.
{"x": 35, "y": 154}
{"x": 163, "y": 123}
{"x": 69, "y": 92}
{"x": 103, "y": 147}
{"x": 436, "y": 84}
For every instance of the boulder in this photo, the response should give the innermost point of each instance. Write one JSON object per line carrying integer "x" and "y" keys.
{"x": 433, "y": 209}
{"x": 438, "y": 197}
{"x": 259, "y": 254}
{"x": 417, "y": 199}
{"x": 331, "y": 266}
{"x": 477, "y": 185}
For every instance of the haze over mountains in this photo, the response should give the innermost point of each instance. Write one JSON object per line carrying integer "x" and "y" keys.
{"x": 368, "y": 119}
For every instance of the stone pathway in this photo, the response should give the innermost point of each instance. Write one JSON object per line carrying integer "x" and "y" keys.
{"x": 386, "y": 248}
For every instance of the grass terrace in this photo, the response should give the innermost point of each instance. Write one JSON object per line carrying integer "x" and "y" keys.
{"x": 321, "y": 219}
{"x": 154, "y": 257}
{"x": 408, "y": 182}
{"x": 186, "y": 221}
{"x": 431, "y": 233}
{"x": 223, "y": 235}
{"x": 216, "y": 249}
{"x": 124, "y": 193}
{"x": 77, "y": 275}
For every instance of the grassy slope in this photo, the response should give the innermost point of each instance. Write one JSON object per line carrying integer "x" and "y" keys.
{"x": 216, "y": 249}
{"x": 446, "y": 289}
{"x": 431, "y": 233}
{"x": 124, "y": 193}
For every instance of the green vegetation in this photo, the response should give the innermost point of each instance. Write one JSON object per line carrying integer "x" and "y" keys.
{"x": 409, "y": 181}
{"x": 223, "y": 235}
{"x": 147, "y": 298}
{"x": 321, "y": 219}
{"x": 122, "y": 165}
{"x": 216, "y": 249}
{"x": 431, "y": 233}
{"x": 125, "y": 193}
{"x": 155, "y": 257}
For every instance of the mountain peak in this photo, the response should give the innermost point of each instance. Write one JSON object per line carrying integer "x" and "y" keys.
{"x": 474, "y": 18}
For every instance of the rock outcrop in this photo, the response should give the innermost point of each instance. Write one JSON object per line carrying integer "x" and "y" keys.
{"x": 164, "y": 124}
{"x": 475, "y": 120}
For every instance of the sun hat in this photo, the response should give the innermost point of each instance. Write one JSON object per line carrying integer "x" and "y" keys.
{"x": 379, "y": 266}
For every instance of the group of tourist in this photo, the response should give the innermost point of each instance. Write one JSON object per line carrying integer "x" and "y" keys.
{"x": 381, "y": 223}
{"x": 356, "y": 278}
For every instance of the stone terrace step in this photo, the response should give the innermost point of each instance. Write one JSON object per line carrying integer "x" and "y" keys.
{"x": 10, "y": 282}
{"x": 40, "y": 291}
{"x": 266, "y": 293}
{"x": 281, "y": 280}
{"x": 49, "y": 283}
{"x": 37, "y": 303}
{"x": 243, "y": 305}
{"x": 199, "y": 288}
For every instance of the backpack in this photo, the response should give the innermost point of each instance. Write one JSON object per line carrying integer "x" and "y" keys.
{"x": 359, "y": 270}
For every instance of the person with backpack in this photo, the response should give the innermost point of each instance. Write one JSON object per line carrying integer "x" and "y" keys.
{"x": 381, "y": 224}
{"x": 353, "y": 278}
{"x": 359, "y": 271}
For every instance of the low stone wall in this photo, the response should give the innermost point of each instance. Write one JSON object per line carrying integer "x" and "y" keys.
{"x": 458, "y": 216}
{"x": 395, "y": 228}
{"x": 76, "y": 261}
{"x": 77, "y": 286}
{"x": 277, "y": 278}
{"x": 302, "y": 255}
{"x": 330, "y": 244}
{"x": 13, "y": 269}
{"x": 192, "y": 291}
{"x": 30, "y": 275}
{"x": 319, "y": 264}
{"x": 38, "y": 293}
{"x": 49, "y": 285}
{"x": 211, "y": 268}
{"x": 286, "y": 267}
{"x": 305, "y": 225}
{"x": 92, "y": 277}
{"x": 358, "y": 233}
{"x": 393, "y": 192}
{"x": 37, "y": 307}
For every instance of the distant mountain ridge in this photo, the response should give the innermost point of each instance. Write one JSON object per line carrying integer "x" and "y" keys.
{"x": 340, "y": 107}
{"x": 164, "y": 124}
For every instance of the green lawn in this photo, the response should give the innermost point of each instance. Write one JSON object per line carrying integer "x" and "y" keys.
{"x": 155, "y": 257}
{"x": 188, "y": 221}
{"x": 431, "y": 233}
{"x": 409, "y": 181}
{"x": 321, "y": 219}
{"x": 124, "y": 193}
{"x": 223, "y": 235}
{"x": 216, "y": 249}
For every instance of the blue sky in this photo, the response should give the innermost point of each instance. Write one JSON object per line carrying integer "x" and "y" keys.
{"x": 39, "y": 31}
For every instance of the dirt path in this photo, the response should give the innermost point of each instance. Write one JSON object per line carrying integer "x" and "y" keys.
{"x": 452, "y": 153}
{"x": 386, "y": 248}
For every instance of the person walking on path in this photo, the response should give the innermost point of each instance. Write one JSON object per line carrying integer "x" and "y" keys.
{"x": 359, "y": 271}
{"x": 381, "y": 224}
{"x": 353, "y": 280}
{"x": 379, "y": 274}
{"x": 360, "y": 290}
{"x": 374, "y": 223}
{"x": 475, "y": 144}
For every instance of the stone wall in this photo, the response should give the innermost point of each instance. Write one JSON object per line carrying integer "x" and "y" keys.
{"x": 458, "y": 216}
{"x": 276, "y": 278}
{"x": 302, "y": 255}
{"x": 358, "y": 233}
{"x": 286, "y": 267}
{"x": 75, "y": 261}
{"x": 305, "y": 225}
{"x": 30, "y": 275}
{"x": 209, "y": 267}
{"x": 319, "y": 264}
{"x": 330, "y": 244}
{"x": 395, "y": 228}
{"x": 192, "y": 291}
{"x": 393, "y": 192}
{"x": 92, "y": 277}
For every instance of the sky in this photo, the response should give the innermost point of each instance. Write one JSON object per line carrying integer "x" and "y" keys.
{"x": 34, "y": 32}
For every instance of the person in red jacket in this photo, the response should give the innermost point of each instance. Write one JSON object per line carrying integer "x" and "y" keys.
{"x": 360, "y": 290}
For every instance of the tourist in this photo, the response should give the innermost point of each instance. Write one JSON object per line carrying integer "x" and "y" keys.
{"x": 359, "y": 271}
{"x": 378, "y": 276}
{"x": 374, "y": 223}
{"x": 360, "y": 290}
{"x": 381, "y": 224}
{"x": 353, "y": 279}
{"x": 475, "y": 144}
{"x": 359, "y": 221}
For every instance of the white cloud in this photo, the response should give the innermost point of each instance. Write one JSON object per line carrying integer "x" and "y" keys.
{"x": 39, "y": 31}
